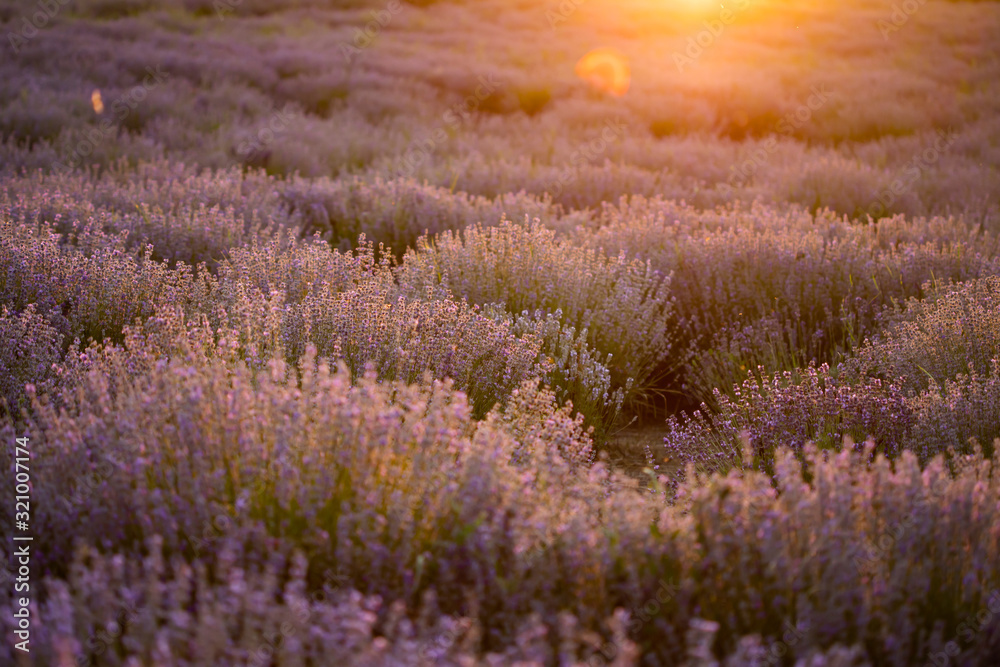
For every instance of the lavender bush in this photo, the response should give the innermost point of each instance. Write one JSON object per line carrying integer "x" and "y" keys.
{"x": 926, "y": 343}
{"x": 782, "y": 289}
{"x": 399, "y": 491}
{"x": 32, "y": 347}
{"x": 397, "y": 212}
{"x": 791, "y": 409}
{"x": 625, "y": 306}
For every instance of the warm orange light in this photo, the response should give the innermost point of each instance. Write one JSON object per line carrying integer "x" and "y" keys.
{"x": 699, "y": 5}
{"x": 95, "y": 99}
{"x": 606, "y": 70}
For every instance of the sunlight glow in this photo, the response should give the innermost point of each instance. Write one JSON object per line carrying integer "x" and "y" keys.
{"x": 606, "y": 70}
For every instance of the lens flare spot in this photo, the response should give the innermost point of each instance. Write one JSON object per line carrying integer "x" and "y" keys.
{"x": 606, "y": 70}
{"x": 95, "y": 99}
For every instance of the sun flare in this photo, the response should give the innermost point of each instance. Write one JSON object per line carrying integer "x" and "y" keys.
{"x": 606, "y": 70}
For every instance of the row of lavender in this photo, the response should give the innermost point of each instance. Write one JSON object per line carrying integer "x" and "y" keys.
{"x": 401, "y": 421}
{"x": 686, "y": 302}
{"x": 478, "y": 106}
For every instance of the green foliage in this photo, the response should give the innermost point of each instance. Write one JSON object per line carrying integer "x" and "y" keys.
{"x": 533, "y": 100}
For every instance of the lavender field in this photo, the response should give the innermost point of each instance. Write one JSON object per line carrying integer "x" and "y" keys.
{"x": 500, "y": 332}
